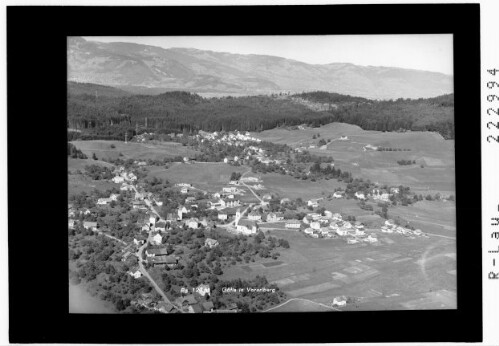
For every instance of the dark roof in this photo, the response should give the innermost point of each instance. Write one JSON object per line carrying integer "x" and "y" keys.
{"x": 247, "y": 223}
{"x": 157, "y": 252}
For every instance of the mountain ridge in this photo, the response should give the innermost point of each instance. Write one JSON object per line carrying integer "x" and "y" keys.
{"x": 195, "y": 70}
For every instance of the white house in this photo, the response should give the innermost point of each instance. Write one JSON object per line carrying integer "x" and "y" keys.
{"x": 138, "y": 241}
{"x": 342, "y": 232}
{"x": 136, "y": 274}
{"x": 156, "y": 240}
{"x": 338, "y": 194}
{"x": 203, "y": 289}
{"x": 313, "y": 203}
{"x": 118, "y": 180}
{"x": 293, "y": 224}
{"x": 315, "y": 225}
{"x": 229, "y": 189}
{"x": 347, "y": 224}
{"x": 222, "y": 216}
{"x": 308, "y": 230}
{"x": 328, "y": 214}
{"x": 103, "y": 201}
{"x": 274, "y": 217}
{"x": 210, "y": 242}
{"x": 360, "y": 195}
{"x": 340, "y": 301}
{"x": 371, "y": 239}
{"x": 193, "y": 223}
{"x": 255, "y": 216}
{"x": 184, "y": 190}
{"x": 226, "y": 160}
{"x": 352, "y": 241}
{"x": 390, "y": 223}
{"x": 182, "y": 210}
{"x": 247, "y": 227}
{"x": 90, "y": 225}
{"x": 337, "y": 217}
{"x": 71, "y": 223}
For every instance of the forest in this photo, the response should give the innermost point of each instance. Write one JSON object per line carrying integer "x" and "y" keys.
{"x": 109, "y": 115}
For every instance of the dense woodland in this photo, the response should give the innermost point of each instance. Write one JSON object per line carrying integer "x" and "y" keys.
{"x": 109, "y": 115}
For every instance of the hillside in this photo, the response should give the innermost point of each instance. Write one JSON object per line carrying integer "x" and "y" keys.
{"x": 142, "y": 67}
{"x": 95, "y": 90}
{"x": 108, "y": 117}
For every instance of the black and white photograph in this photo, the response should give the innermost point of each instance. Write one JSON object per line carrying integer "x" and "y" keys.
{"x": 252, "y": 174}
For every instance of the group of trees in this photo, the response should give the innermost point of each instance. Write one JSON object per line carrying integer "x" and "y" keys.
{"x": 75, "y": 153}
{"x": 406, "y": 162}
{"x": 97, "y": 172}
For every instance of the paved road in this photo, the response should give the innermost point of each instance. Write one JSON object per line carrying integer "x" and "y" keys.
{"x": 302, "y": 299}
{"x": 249, "y": 188}
{"x": 143, "y": 270}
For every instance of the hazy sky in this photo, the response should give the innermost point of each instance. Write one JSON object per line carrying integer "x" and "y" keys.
{"x": 421, "y": 52}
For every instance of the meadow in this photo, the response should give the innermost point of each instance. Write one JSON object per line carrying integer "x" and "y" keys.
{"x": 138, "y": 151}
{"x": 210, "y": 176}
{"x": 399, "y": 272}
{"x": 433, "y": 172}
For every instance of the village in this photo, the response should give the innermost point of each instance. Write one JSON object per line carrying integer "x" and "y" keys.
{"x": 225, "y": 209}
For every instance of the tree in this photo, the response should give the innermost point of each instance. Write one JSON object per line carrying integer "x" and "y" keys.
{"x": 94, "y": 156}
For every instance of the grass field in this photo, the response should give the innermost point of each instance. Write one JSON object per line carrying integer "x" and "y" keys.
{"x": 287, "y": 186}
{"x": 79, "y": 183}
{"x": 396, "y": 272}
{"x": 206, "y": 176}
{"x": 427, "y": 148}
{"x": 131, "y": 150}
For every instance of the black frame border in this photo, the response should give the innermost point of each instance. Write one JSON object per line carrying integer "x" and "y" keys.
{"x": 36, "y": 105}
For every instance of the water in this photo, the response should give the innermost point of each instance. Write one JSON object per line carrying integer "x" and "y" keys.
{"x": 80, "y": 301}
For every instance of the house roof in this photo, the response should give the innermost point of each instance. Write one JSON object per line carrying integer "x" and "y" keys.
{"x": 157, "y": 252}
{"x": 164, "y": 259}
{"x": 247, "y": 223}
{"x": 293, "y": 222}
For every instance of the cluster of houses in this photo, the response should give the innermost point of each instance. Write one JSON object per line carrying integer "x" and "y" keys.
{"x": 391, "y": 227}
{"x": 121, "y": 175}
{"x": 332, "y": 225}
{"x": 232, "y": 138}
{"x": 105, "y": 201}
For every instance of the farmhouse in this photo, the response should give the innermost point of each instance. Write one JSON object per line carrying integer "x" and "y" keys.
{"x": 254, "y": 216}
{"x": 104, "y": 201}
{"x": 156, "y": 240}
{"x": 247, "y": 227}
{"x": 184, "y": 190}
{"x": 274, "y": 217}
{"x": 192, "y": 223}
{"x": 222, "y": 216}
{"x": 156, "y": 252}
{"x": 292, "y": 224}
{"x": 170, "y": 261}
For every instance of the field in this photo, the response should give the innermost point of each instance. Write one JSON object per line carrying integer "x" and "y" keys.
{"x": 428, "y": 149}
{"x": 206, "y": 176}
{"x": 399, "y": 273}
{"x": 287, "y": 186}
{"x": 137, "y": 151}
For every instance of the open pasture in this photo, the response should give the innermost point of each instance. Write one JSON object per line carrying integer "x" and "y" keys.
{"x": 133, "y": 150}
{"x": 321, "y": 269}
{"x": 287, "y": 186}
{"x": 428, "y": 149}
{"x": 204, "y": 175}
{"x": 79, "y": 183}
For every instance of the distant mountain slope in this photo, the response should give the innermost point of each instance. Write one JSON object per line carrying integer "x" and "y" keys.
{"x": 134, "y": 65}
{"x": 95, "y": 90}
